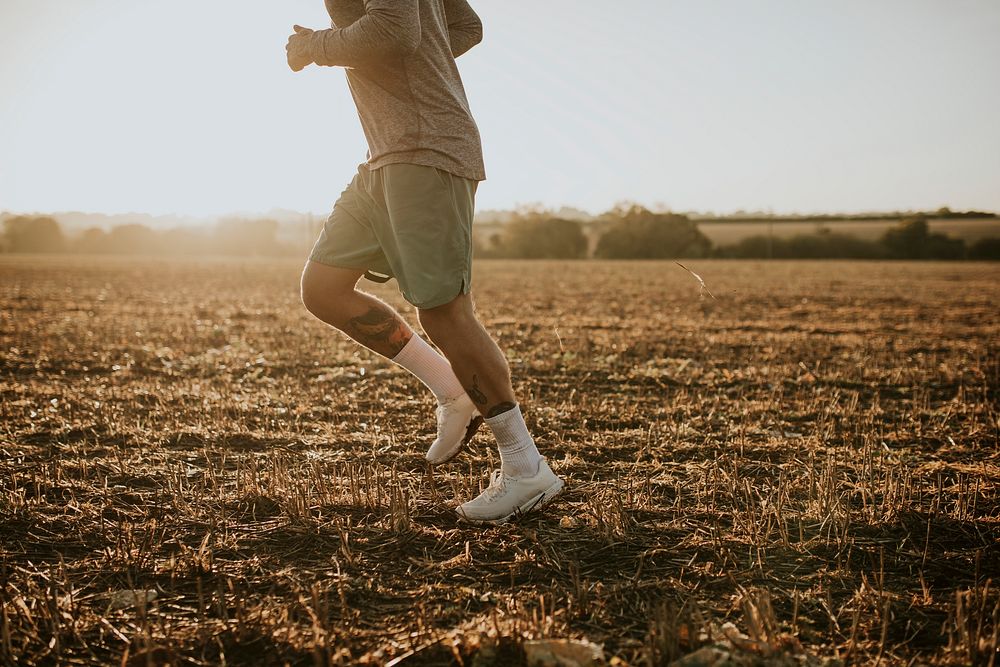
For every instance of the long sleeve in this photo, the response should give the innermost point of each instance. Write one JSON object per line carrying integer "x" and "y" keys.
{"x": 389, "y": 28}
{"x": 465, "y": 30}
{"x": 399, "y": 60}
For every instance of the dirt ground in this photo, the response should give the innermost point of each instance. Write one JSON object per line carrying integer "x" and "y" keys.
{"x": 193, "y": 471}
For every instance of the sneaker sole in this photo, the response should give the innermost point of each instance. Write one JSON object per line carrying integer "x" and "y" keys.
{"x": 536, "y": 503}
{"x": 470, "y": 432}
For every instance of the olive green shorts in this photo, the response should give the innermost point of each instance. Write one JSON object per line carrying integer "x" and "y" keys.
{"x": 408, "y": 222}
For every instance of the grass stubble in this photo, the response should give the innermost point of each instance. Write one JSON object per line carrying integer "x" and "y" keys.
{"x": 195, "y": 472}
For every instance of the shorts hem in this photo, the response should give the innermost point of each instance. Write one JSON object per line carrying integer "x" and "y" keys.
{"x": 338, "y": 264}
{"x": 463, "y": 288}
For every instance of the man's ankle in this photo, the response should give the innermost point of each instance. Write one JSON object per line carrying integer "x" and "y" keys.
{"x": 519, "y": 456}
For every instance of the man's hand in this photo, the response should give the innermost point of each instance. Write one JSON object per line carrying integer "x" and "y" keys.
{"x": 298, "y": 49}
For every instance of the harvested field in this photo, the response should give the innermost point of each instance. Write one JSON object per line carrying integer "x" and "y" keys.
{"x": 196, "y": 472}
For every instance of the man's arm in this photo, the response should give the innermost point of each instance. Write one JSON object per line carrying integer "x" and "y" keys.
{"x": 388, "y": 28}
{"x": 465, "y": 30}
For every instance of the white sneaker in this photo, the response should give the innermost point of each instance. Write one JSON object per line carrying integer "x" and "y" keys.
{"x": 457, "y": 420}
{"x": 508, "y": 497}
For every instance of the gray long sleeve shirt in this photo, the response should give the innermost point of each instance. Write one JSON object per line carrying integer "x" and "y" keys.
{"x": 400, "y": 62}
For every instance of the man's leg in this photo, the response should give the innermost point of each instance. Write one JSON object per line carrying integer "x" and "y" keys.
{"x": 525, "y": 481}
{"x": 330, "y": 294}
{"x": 483, "y": 371}
{"x": 478, "y": 362}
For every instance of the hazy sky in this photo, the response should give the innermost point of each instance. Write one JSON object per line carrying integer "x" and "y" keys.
{"x": 793, "y": 105}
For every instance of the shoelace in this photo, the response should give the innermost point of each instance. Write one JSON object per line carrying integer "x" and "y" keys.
{"x": 498, "y": 484}
{"x": 441, "y": 411}
{"x": 443, "y": 408}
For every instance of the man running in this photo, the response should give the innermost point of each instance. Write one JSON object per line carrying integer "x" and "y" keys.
{"x": 407, "y": 214}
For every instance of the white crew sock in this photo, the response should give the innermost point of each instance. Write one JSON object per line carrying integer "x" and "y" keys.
{"x": 518, "y": 455}
{"x": 430, "y": 368}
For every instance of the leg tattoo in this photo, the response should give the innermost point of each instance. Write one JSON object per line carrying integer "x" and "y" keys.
{"x": 475, "y": 393}
{"x": 501, "y": 408}
{"x": 381, "y": 331}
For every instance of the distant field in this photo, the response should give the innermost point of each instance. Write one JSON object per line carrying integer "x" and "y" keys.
{"x": 813, "y": 456}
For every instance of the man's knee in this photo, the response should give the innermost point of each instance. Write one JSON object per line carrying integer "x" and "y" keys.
{"x": 311, "y": 296}
{"x": 310, "y": 290}
{"x": 323, "y": 288}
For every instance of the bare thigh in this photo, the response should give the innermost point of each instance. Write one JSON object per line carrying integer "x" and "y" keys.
{"x": 321, "y": 282}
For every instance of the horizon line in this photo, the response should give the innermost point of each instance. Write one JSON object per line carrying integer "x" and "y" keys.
{"x": 534, "y": 206}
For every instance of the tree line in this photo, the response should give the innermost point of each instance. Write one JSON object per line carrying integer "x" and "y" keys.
{"x": 241, "y": 237}
{"x": 634, "y": 232}
{"x": 626, "y": 232}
